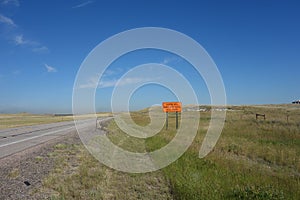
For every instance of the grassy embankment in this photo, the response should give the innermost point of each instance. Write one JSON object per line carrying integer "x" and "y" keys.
{"x": 253, "y": 159}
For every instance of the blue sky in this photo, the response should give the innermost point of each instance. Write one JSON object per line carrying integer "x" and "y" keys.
{"x": 255, "y": 45}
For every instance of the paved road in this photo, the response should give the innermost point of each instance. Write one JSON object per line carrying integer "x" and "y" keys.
{"x": 14, "y": 140}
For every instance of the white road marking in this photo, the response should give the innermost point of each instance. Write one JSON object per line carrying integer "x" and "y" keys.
{"x": 52, "y": 132}
{"x": 37, "y": 136}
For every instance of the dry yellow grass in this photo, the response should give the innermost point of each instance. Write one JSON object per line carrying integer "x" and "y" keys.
{"x": 27, "y": 119}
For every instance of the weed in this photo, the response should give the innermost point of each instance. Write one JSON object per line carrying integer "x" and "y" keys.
{"x": 38, "y": 158}
{"x": 257, "y": 192}
{"x": 14, "y": 173}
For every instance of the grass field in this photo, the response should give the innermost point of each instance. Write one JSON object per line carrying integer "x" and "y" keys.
{"x": 27, "y": 119}
{"x": 253, "y": 159}
{"x": 78, "y": 175}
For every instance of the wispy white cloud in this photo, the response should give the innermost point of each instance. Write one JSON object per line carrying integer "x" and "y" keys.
{"x": 12, "y": 34}
{"x": 41, "y": 49}
{"x": 112, "y": 72}
{"x": 108, "y": 83}
{"x": 16, "y": 72}
{"x": 19, "y": 40}
{"x": 50, "y": 68}
{"x": 36, "y": 46}
{"x": 83, "y": 4}
{"x": 93, "y": 82}
{"x": 169, "y": 60}
{"x": 10, "y": 2}
{"x": 7, "y": 21}
{"x": 125, "y": 81}
{"x": 122, "y": 82}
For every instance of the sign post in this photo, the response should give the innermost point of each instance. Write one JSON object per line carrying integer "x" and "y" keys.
{"x": 167, "y": 120}
{"x": 176, "y": 120}
{"x": 171, "y": 107}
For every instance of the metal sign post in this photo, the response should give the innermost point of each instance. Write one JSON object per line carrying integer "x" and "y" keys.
{"x": 176, "y": 120}
{"x": 167, "y": 120}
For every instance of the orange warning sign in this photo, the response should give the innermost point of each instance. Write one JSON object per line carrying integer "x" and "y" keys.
{"x": 171, "y": 106}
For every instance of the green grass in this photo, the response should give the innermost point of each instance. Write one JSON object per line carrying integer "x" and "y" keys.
{"x": 253, "y": 159}
{"x": 78, "y": 175}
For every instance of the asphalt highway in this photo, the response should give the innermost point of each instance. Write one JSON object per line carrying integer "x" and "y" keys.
{"x": 14, "y": 140}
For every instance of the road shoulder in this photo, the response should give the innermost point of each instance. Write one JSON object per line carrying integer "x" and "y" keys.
{"x": 22, "y": 173}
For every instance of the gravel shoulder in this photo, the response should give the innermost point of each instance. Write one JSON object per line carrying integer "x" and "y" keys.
{"x": 22, "y": 173}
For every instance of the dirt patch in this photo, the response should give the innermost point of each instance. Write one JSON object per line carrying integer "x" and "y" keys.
{"x": 21, "y": 174}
